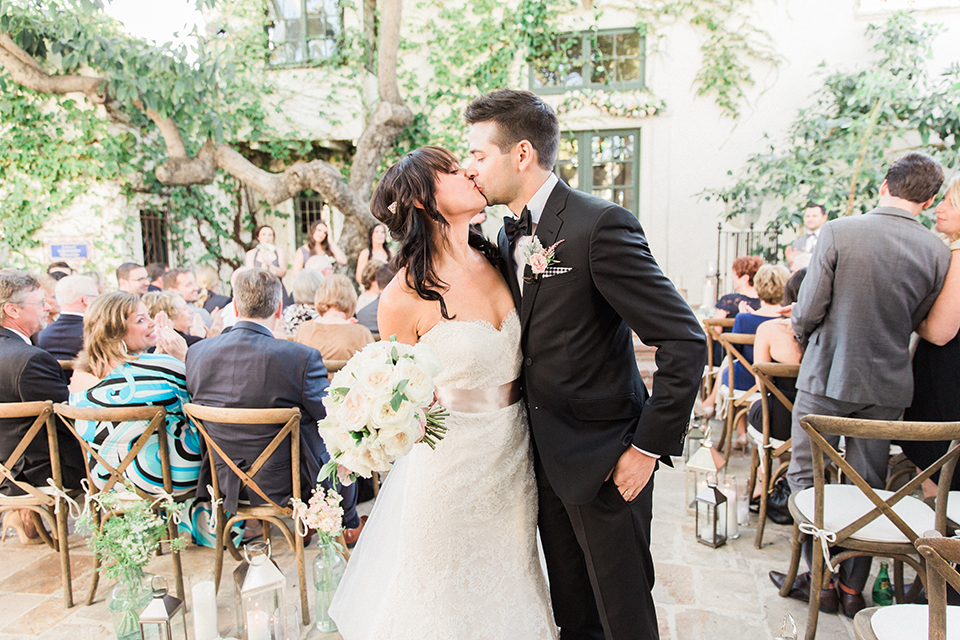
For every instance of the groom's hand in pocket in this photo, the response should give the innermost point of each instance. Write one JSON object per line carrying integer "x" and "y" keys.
{"x": 632, "y": 472}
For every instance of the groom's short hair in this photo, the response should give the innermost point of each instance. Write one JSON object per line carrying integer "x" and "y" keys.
{"x": 519, "y": 115}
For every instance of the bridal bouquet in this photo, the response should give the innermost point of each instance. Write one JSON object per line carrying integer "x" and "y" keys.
{"x": 378, "y": 406}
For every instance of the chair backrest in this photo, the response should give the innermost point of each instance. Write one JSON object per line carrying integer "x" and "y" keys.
{"x": 290, "y": 418}
{"x": 728, "y": 340}
{"x": 941, "y": 555}
{"x": 766, "y": 373}
{"x": 42, "y": 412}
{"x": 334, "y": 365}
{"x": 67, "y": 365}
{"x": 154, "y": 416}
{"x": 713, "y": 327}
{"x": 815, "y": 426}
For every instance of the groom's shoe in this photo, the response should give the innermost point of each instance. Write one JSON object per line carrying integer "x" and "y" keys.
{"x": 352, "y": 535}
{"x": 829, "y": 602}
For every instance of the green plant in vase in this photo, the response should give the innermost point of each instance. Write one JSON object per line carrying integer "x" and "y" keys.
{"x": 128, "y": 535}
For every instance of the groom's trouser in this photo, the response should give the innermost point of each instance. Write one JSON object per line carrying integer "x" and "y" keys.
{"x": 599, "y": 563}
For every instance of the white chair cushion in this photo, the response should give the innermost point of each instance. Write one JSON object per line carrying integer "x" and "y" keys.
{"x": 844, "y": 503}
{"x": 953, "y": 506}
{"x": 757, "y": 437}
{"x": 909, "y": 622}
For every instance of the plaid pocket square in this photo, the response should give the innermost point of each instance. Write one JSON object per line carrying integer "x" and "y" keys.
{"x": 556, "y": 271}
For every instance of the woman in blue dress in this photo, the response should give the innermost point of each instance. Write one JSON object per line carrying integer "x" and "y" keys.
{"x": 113, "y": 370}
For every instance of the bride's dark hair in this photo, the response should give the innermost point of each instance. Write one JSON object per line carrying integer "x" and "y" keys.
{"x": 404, "y": 201}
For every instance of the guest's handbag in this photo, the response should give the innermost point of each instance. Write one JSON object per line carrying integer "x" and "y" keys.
{"x": 777, "y": 509}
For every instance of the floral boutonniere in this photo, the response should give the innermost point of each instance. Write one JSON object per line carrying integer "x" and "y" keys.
{"x": 539, "y": 258}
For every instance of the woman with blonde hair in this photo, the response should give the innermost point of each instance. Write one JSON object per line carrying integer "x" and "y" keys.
{"x": 368, "y": 281}
{"x": 304, "y": 291}
{"x": 182, "y": 318}
{"x": 335, "y": 333}
{"x": 115, "y": 370}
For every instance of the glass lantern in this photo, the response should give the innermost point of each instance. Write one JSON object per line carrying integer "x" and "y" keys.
{"x": 692, "y": 442}
{"x": 157, "y": 620}
{"x": 702, "y": 469}
{"x": 711, "y": 517}
{"x": 259, "y": 586}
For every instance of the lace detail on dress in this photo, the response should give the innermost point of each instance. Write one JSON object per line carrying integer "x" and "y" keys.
{"x": 450, "y": 552}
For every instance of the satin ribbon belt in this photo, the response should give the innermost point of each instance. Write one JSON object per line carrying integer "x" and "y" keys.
{"x": 479, "y": 400}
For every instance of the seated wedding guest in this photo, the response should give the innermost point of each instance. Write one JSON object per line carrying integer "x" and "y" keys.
{"x": 368, "y": 281}
{"x": 208, "y": 279}
{"x": 184, "y": 282}
{"x": 155, "y": 271}
{"x": 114, "y": 370}
{"x": 133, "y": 278}
{"x": 319, "y": 244}
{"x": 377, "y": 249}
{"x": 335, "y": 334}
{"x": 29, "y": 374}
{"x": 769, "y": 282}
{"x": 248, "y": 367}
{"x": 63, "y": 338}
{"x": 304, "y": 290}
{"x": 181, "y": 316}
{"x": 728, "y": 306}
{"x": 368, "y": 315}
{"x": 775, "y": 342}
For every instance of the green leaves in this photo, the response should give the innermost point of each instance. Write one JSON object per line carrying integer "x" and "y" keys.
{"x": 843, "y": 144}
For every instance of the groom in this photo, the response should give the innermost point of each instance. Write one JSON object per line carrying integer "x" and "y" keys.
{"x": 597, "y": 434}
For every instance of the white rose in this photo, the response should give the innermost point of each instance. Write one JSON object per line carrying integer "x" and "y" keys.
{"x": 376, "y": 379}
{"x": 332, "y": 405}
{"x": 354, "y": 412}
{"x": 419, "y": 388}
{"x": 335, "y": 438}
{"x": 357, "y": 461}
{"x": 382, "y": 415}
{"x": 343, "y": 378}
{"x": 426, "y": 357}
{"x": 398, "y": 441}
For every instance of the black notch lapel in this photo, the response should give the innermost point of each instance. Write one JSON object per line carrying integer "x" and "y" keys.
{"x": 547, "y": 230}
{"x": 510, "y": 268}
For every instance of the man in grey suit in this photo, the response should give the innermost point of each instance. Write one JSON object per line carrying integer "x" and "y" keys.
{"x": 871, "y": 281}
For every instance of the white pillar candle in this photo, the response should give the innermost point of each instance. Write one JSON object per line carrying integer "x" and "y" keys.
{"x": 205, "y": 625}
{"x": 729, "y": 489}
{"x": 258, "y": 625}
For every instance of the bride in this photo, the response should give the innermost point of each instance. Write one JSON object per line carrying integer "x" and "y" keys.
{"x": 450, "y": 549}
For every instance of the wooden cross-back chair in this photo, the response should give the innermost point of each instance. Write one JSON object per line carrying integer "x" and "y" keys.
{"x": 737, "y": 401}
{"x": 941, "y": 554}
{"x": 39, "y": 500}
{"x": 155, "y": 417}
{"x": 768, "y": 448}
{"x": 713, "y": 327}
{"x": 269, "y": 513}
{"x": 863, "y": 520}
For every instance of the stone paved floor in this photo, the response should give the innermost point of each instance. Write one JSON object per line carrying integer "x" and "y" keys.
{"x": 701, "y": 593}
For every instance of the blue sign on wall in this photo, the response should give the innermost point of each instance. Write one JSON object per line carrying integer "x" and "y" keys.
{"x": 68, "y": 251}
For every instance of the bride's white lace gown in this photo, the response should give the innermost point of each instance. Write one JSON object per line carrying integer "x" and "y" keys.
{"x": 450, "y": 551}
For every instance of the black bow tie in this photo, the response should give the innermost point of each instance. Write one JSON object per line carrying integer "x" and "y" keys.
{"x": 516, "y": 227}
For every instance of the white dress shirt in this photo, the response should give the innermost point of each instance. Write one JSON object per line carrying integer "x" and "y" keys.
{"x": 535, "y": 207}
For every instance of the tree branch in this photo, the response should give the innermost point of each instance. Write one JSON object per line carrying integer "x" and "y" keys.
{"x": 27, "y": 72}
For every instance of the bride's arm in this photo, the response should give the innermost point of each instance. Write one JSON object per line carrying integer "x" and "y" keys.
{"x": 943, "y": 321}
{"x": 398, "y": 312}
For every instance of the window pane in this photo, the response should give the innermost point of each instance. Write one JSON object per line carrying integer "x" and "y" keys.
{"x": 563, "y": 67}
{"x": 622, "y": 174}
{"x": 628, "y": 70}
{"x": 601, "y": 174}
{"x": 286, "y": 9}
{"x": 568, "y": 162}
{"x": 602, "y": 72}
{"x": 628, "y": 45}
{"x": 604, "y": 47}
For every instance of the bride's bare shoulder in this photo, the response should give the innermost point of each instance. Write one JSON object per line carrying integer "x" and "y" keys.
{"x": 400, "y": 311}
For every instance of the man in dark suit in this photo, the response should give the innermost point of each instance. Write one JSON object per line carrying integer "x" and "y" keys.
{"x": 133, "y": 278}
{"x": 597, "y": 434}
{"x": 63, "y": 338}
{"x": 871, "y": 281}
{"x": 30, "y": 374}
{"x": 248, "y": 368}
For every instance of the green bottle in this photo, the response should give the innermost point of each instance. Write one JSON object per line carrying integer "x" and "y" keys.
{"x": 882, "y": 591}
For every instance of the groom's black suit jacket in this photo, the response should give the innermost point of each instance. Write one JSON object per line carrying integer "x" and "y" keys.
{"x": 586, "y": 398}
